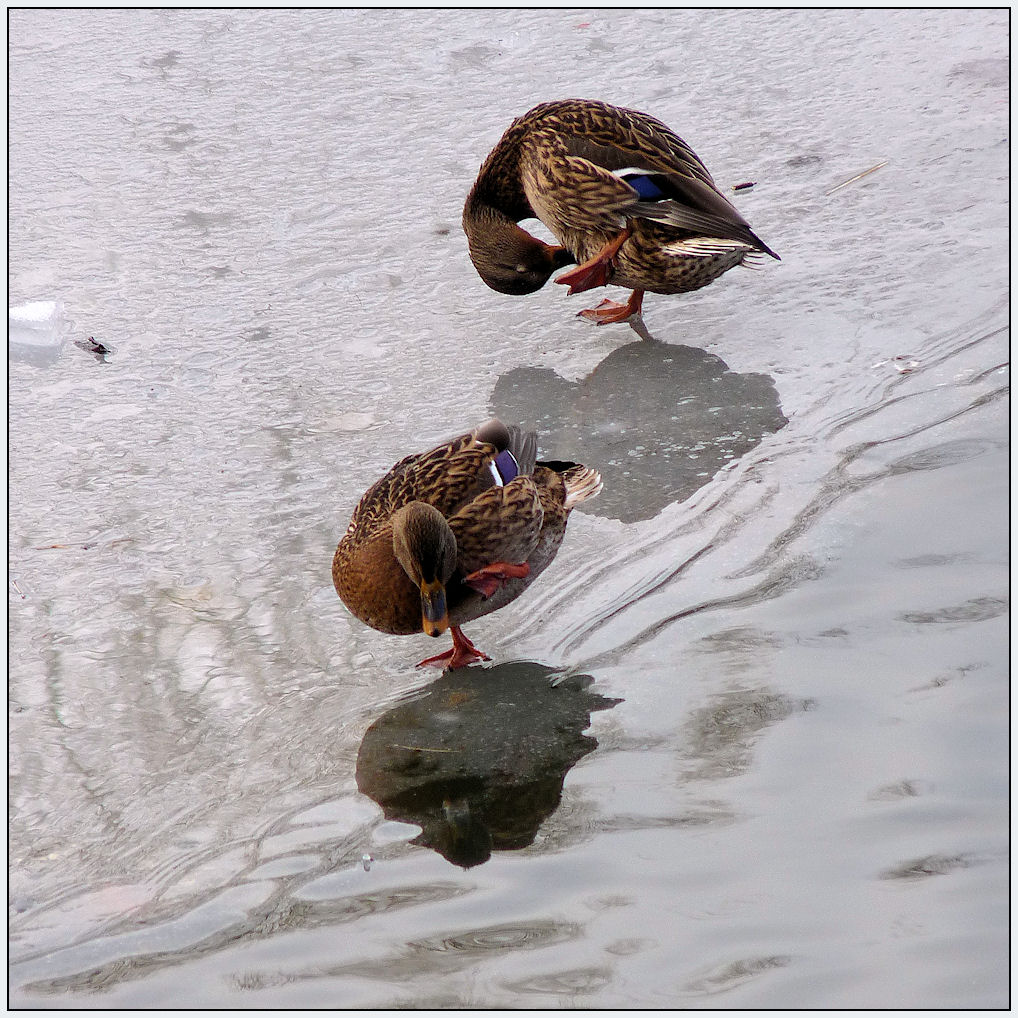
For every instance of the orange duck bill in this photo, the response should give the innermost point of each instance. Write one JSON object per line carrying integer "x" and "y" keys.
{"x": 434, "y": 610}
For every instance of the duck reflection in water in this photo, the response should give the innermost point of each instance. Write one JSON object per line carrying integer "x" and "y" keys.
{"x": 478, "y": 758}
{"x": 659, "y": 420}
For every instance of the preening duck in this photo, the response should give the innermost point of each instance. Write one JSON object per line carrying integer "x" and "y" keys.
{"x": 456, "y": 532}
{"x": 628, "y": 200}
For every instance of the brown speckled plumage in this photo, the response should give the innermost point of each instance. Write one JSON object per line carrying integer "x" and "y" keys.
{"x": 556, "y": 163}
{"x": 522, "y": 521}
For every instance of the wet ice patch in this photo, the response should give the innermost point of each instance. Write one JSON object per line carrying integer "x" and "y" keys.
{"x": 392, "y": 831}
{"x": 354, "y": 811}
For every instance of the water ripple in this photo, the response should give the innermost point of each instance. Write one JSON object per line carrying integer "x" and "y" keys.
{"x": 722, "y": 522}
{"x": 567, "y": 983}
{"x": 737, "y": 973}
{"x": 507, "y": 937}
{"x": 978, "y": 609}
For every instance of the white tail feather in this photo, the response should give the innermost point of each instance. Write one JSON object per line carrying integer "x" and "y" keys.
{"x": 581, "y": 483}
{"x": 705, "y": 247}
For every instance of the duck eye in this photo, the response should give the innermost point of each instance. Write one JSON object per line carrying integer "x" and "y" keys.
{"x": 522, "y": 268}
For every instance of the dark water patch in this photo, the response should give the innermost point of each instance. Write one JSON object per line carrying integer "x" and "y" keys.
{"x": 439, "y": 954}
{"x": 693, "y": 818}
{"x": 834, "y": 633}
{"x": 204, "y": 222}
{"x": 254, "y": 981}
{"x": 445, "y": 954}
{"x": 785, "y": 577}
{"x": 500, "y": 938}
{"x": 738, "y": 642}
{"x": 282, "y": 914}
{"x": 941, "y": 680}
{"x": 476, "y": 55}
{"x": 946, "y": 454}
{"x": 629, "y": 945}
{"x": 97, "y": 965}
{"x": 737, "y": 973}
{"x": 989, "y": 71}
{"x": 179, "y": 136}
{"x": 658, "y": 421}
{"x": 479, "y": 757}
{"x": 907, "y": 788}
{"x": 307, "y": 914}
{"x": 568, "y": 983}
{"x": 163, "y": 63}
{"x": 721, "y": 735}
{"x": 978, "y": 609}
{"x": 840, "y": 482}
{"x": 931, "y": 560}
{"x": 452, "y": 952}
{"x": 927, "y": 866}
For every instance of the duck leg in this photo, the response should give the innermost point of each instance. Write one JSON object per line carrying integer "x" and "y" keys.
{"x": 489, "y": 578}
{"x": 596, "y": 271}
{"x": 609, "y": 311}
{"x": 463, "y": 652}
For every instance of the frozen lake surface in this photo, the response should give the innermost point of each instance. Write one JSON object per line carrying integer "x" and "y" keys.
{"x": 744, "y": 745}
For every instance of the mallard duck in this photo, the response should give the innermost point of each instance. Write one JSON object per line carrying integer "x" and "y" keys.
{"x": 451, "y": 534}
{"x": 628, "y": 200}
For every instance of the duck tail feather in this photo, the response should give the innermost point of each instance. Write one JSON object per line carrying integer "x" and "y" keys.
{"x": 581, "y": 483}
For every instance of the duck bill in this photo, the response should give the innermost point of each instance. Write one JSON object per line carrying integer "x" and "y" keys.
{"x": 434, "y": 611}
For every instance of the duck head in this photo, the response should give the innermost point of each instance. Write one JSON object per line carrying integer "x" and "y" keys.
{"x": 426, "y": 549}
{"x": 506, "y": 257}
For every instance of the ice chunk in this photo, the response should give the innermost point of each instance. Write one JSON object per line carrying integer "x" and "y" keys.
{"x": 35, "y": 330}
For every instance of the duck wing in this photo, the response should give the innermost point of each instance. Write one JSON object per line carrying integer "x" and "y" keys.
{"x": 630, "y": 165}
{"x": 450, "y": 475}
{"x": 502, "y": 524}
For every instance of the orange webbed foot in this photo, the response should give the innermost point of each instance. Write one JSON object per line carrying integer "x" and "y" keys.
{"x": 585, "y": 277}
{"x": 490, "y": 578}
{"x": 596, "y": 271}
{"x": 609, "y": 311}
{"x": 463, "y": 652}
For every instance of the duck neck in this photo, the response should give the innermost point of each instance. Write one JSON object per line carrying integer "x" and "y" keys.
{"x": 481, "y": 216}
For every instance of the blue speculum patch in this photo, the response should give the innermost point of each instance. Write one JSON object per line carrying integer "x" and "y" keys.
{"x": 504, "y": 467}
{"x": 645, "y": 186}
